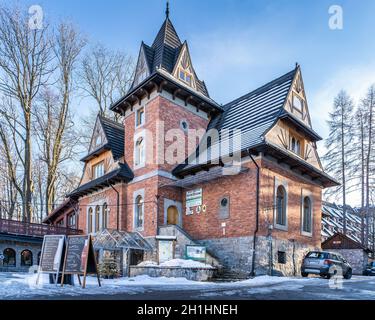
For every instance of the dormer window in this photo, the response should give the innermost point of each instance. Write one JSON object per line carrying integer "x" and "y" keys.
{"x": 185, "y": 76}
{"x": 295, "y": 145}
{"x": 98, "y": 170}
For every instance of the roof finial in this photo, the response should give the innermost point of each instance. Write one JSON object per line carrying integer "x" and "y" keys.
{"x": 167, "y": 10}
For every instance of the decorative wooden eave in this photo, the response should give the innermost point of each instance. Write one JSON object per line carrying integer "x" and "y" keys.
{"x": 161, "y": 80}
{"x": 297, "y": 164}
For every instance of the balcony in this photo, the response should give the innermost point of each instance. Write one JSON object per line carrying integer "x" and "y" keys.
{"x": 34, "y": 229}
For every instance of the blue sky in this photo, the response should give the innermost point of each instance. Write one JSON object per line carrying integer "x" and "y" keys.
{"x": 238, "y": 45}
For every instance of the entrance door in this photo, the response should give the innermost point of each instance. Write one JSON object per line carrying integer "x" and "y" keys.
{"x": 172, "y": 215}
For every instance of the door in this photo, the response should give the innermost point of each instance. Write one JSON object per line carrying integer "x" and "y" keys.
{"x": 172, "y": 215}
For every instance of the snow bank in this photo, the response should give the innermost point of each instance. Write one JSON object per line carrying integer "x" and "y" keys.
{"x": 176, "y": 263}
{"x": 181, "y": 263}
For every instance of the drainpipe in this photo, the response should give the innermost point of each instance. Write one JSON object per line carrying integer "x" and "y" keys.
{"x": 118, "y": 205}
{"x": 256, "y": 216}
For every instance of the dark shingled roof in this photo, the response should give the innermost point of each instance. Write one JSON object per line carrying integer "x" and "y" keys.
{"x": 164, "y": 53}
{"x": 254, "y": 114}
{"x": 123, "y": 173}
{"x": 115, "y": 136}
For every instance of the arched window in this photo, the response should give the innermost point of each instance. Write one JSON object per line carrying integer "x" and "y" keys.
{"x": 105, "y": 216}
{"x": 97, "y": 216}
{"x": 307, "y": 215}
{"x": 139, "y": 152}
{"x": 26, "y": 258}
{"x": 281, "y": 206}
{"x": 90, "y": 221}
{"x": 9, "y": 258}
{"x": 139, "y": 208}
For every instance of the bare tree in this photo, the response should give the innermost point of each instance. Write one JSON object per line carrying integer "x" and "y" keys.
{"x": 54, "y": 123}
{"x": 339, "y": 145}
{"x": 25, "y": 56}
{"x": 106, "y": 76}
{"x": 368, "y": 105}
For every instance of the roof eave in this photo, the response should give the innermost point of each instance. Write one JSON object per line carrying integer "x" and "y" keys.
{"x": 96, "y": 153}
{"x": 158, "y": 78}
{"x": 300, "y": 125}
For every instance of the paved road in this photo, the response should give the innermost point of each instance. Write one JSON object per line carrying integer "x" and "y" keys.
{"x": 358, "y": 288}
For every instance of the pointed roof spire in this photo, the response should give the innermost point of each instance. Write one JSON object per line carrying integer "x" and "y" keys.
{"x": 167, "y": 10}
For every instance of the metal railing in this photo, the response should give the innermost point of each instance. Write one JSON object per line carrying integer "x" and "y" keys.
{"x": 34, "y": 229}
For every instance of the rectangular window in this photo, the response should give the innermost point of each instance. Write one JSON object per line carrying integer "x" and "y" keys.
{"x": 140, "y": 117}
{"x": 98, "y": 170}
{"x": 281, "y": 257}
{"x": 182, "y": 75}
{"x": 71, "y": 221}
{"x": 298, "y": 104}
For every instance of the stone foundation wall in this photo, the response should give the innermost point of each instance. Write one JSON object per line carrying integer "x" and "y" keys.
{"x": 236, "y": 255}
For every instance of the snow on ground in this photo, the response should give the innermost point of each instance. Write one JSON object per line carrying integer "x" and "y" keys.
{"x": 22, "y": 286}
{"x": 179, "y": 263}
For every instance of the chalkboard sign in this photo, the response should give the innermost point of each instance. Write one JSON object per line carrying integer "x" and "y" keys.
{"x": 79, "y": 258}
{"x": 52, "y": 253}
{"x": 75, "y": 252}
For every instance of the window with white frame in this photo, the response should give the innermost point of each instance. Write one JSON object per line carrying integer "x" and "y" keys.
{"x": 98, "y": 170}
{"x": 90, "y": 221}
{"x": 139, "y": 212}
{"x": 140, "y": 117}
{"x": 281, "y": 206}
{"x": 295, "y": 145}
{"x": 307, "y": 215}
{"x": 105, "y": 216}
{"x": 97, "y": 218}
{"x": 139, "y": 152}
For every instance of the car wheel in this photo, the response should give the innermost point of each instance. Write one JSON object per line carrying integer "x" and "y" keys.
{"x": 348, "y": 274}
{"x": 328, "y": 276}
{"x": 304, "y": 274}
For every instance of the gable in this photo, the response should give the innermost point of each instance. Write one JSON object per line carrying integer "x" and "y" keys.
{"x": 142, "y": 70}
{"x": 281, "y": 134}
{"x": 183, "y": 69}
{"x": 296, "y": 103}
{"x": 98, "y": 138}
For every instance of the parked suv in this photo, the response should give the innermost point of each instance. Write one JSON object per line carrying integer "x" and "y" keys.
{"x": 370, "y": 269}
{"x": 325, "y": 264}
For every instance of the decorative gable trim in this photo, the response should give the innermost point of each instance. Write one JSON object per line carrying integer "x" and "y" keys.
{"x": 184, "y": 64}
{"x": 296, "y": 102}
{"x": 142, "y": 70}
{"x": 98, "y": 138}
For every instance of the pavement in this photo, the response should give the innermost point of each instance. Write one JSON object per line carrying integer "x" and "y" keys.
{"x": 357, "y": 288}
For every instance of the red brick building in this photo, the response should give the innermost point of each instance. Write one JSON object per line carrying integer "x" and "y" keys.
{"x": 251, "y": 186}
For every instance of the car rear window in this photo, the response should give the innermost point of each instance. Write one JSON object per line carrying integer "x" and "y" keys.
{"x": 317, "y": 255}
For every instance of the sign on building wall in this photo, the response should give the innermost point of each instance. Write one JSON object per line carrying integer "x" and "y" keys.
{"x": 193, "y": 200}
{"x": 196, "y": 252}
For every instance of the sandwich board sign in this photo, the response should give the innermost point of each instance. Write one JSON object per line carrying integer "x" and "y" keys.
{"x": 79, "y": 259}
{"x": 52, "y": 253}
